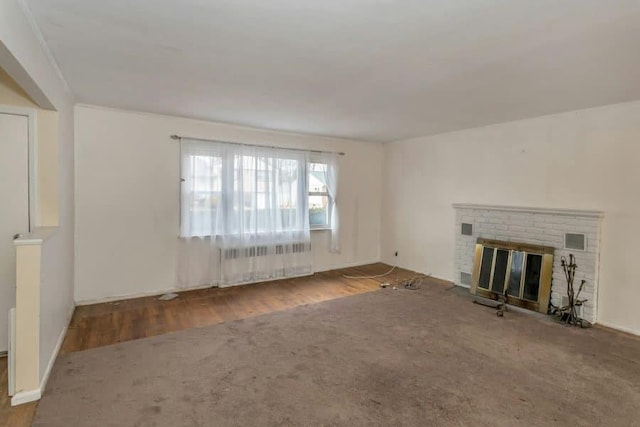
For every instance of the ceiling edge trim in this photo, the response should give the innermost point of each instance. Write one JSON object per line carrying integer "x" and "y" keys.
{"x": 43, "y": 44}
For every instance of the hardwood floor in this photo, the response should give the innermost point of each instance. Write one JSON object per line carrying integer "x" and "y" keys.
{"x": 16, "y": 416}
{"x": 110, "y": 323}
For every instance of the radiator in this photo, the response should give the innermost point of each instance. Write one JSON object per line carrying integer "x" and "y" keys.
{"x": 241, "y": 265}
{"x": 263, "y": 250}
{"x": 11, "y": 359}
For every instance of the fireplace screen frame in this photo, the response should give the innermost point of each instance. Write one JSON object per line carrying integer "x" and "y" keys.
{"x": 527, "y": 252}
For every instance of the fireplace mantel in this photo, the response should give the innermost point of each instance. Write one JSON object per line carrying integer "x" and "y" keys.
{"x": 533, "y": 210}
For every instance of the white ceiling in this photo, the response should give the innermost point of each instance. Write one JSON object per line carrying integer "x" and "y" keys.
{"x": 374, "y": 70}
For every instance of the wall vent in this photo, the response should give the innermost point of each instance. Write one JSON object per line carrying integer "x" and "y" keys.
{"x": 575, "y": 241}
{"x": 467, "y": 229}
{"x": 465, "y": 279}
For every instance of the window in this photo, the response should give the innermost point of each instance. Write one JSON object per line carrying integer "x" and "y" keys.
{"x": 267, "y": 189}
{"x": 234, "y": 190}
{"x": 206, "y": 191}
{"x": 319, "y": 198}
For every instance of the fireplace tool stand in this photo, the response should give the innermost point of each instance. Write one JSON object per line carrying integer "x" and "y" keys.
{"x": 569, "y": 313}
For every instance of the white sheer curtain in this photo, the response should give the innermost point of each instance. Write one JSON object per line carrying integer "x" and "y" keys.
{"x": 332, "y": 160}
{"x": 201, "y": 191}
{"x": 244, "y": 214}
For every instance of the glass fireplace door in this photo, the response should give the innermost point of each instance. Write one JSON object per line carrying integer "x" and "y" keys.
{"x": 519, "y": 271}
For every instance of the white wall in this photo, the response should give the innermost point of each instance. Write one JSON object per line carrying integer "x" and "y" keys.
{"x": 26, "y": 61}
{"x": 127, "y": 188}
{"x": 588, "y": 159}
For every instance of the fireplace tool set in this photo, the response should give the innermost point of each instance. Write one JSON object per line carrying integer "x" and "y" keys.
{"x": 569, "y": 313}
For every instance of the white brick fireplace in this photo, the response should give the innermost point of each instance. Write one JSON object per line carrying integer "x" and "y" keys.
{"x": 562, "y": 229}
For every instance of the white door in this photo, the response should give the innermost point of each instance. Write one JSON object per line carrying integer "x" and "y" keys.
{"x": 14, "y": 207}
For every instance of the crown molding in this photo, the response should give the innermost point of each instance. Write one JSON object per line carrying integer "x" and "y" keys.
{"x": 43, "y": 44}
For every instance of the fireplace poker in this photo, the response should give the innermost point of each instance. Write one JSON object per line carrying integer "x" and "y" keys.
{"x": 569, "y": 313}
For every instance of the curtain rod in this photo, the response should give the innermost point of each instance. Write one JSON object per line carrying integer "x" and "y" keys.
{"x": 179, "y": 137}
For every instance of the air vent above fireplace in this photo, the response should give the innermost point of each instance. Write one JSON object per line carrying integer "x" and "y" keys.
{"x": 521, "y": 272}
{"x": 575, "y": 241}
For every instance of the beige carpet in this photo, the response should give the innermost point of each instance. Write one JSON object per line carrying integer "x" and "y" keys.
{"x": 415, "y": 358}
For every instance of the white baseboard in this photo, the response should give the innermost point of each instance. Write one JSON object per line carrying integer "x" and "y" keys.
{"x": 618, "y": 328}
{"x": 154, "y": 293}
{"x": 346, "y": 265}
{"x": 56, "y": 351}
{"x": 138, "y": 295}
{"x": 23, "y": 397}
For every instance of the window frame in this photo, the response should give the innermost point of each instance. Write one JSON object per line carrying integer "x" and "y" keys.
{"x": 327, "y": 225}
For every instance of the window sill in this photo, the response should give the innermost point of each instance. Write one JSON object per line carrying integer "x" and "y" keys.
{"x": 321, "y": 229}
